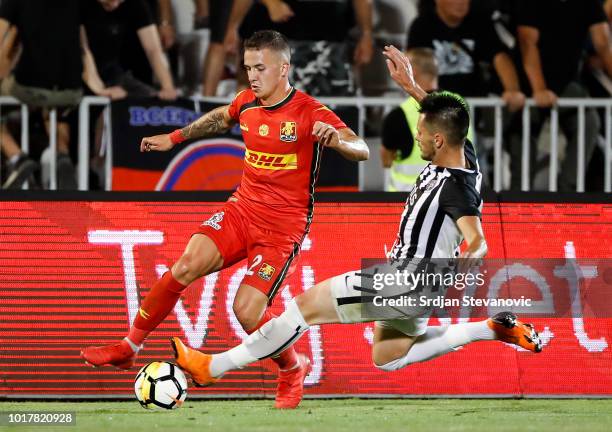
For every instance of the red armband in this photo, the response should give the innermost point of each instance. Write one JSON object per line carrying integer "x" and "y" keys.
{"x": 177, "y": 137}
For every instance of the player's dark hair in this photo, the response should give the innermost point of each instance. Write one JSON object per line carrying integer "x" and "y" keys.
{"x": 449, "y": 112}
{"x": 270, "y": 39}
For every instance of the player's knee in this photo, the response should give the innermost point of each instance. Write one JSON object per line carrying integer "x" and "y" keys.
{"x": 391, "y": 365}
{"x": 388, "y": 360}
{"x": 187, "y": 269}
{"x": 247, "y": 314}
{"x": 305, "y": 306}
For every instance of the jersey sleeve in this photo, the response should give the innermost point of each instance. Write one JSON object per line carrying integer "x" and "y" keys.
{"x": 489, "y": 43}
{"x": 323, "y": 114}
{"x": 527, "y": 14}
{"x": 139, "y": 14}
{"x": 457, "y": 199}
{"x": 234, "y": 108}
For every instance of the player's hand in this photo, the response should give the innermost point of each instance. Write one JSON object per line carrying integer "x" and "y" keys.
{"x": 400, "y": 68}
{"x": 515, "y": 100}
{"x": 545, "y": 98}
{"x": 364, "y": 50}
{"x": 278, "y": 10}
{"x": 156, "y": 143}
{"x": 467, "y": 261}
{"x": 326, "y": 134}
{"x": 167, "y": 94}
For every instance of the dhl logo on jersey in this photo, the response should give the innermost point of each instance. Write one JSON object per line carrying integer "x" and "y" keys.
{"x": 271, "y": 161}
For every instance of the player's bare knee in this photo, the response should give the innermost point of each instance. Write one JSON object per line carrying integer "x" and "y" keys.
{"x": 247, "y": 313}
{"x": 391, "y": 365}
{"x": 187, "y": 269}
{"x": 388, "y": 358}
{"x": 385, "y": 361}
{"x": 305, "y": 304}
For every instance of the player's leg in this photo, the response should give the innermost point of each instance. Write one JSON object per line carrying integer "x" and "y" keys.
{"x": 399, "y": 343}
{"x": 250, "y": 308}
{"x": 313, "y": 307}
{"x": 217, "y": 243}
{"x": 271, "y": 259}
{"x": 328, "y": 302}
{"x": 201, "y": 257}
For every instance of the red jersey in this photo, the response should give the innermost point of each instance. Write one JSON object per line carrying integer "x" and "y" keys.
{"x": 282, "y": 157}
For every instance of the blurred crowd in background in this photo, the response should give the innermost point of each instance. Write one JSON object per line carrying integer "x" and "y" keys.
{"x": 55, "y": 52}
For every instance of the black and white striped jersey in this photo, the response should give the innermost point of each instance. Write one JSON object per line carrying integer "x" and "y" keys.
{"x": 428, "y": 228}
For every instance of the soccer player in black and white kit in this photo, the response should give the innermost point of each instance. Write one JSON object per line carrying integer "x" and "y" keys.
{"x": 442, "y": 210}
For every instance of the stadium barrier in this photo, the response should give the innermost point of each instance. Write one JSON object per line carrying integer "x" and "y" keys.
{"x": 362, "y": 103}
{"x": 496, "y": 104}
{"x": 74, "y": 267}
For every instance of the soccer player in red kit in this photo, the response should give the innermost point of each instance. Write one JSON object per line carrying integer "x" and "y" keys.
{"x": 266, "y": 219}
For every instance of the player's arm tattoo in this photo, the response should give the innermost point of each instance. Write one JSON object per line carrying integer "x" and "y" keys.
{"x": 214, "y": 122}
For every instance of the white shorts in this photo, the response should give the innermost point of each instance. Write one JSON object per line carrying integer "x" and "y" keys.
{"x": 346, "y": 289}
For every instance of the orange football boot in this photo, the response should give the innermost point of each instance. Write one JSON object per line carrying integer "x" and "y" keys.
{"x": 196, "y": 363}
{"x": 509, "y": 329}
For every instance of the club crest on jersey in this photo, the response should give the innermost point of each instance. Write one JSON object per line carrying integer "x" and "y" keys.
{"x": 215, "y": 220}
{"x": 288, "y": 131}
{"x": 266, "y": 271}
{"x": 264, "y": 129}
{"x": 429, "y": 186}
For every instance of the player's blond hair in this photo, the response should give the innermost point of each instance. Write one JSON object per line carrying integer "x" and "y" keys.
{"x": 270, "y": 39}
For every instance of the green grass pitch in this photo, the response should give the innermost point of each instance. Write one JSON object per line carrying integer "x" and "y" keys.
{"x": 340, "y": 415}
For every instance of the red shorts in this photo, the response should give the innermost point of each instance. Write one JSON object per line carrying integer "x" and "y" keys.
{"x": 270, "y": 254}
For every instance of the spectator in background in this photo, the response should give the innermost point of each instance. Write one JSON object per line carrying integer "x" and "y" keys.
{"x": 165, "y": 23}
{"x": 47, "y": 75}
{"x": 202, "y": 13}
{"x": 20, "y": 165}
{"x": 133, "y": 56}
{"x": 105, "y": 24}
{"x": 462, "y": 39}
{"x": 552, "y": 36}
{"x": 400, "y": 153}
{"x": 214, "y": 62}
{"x": 317, "y": 31}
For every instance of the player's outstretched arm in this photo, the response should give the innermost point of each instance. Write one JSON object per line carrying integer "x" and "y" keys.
{"x": 344, "y": 141}
{"x": 471, "y": 228}
{"x": 401, "y": 72}
{"x": 212, "y": 123}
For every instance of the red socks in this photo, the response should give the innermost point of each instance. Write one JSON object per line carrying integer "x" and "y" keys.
{"x": 155, "y": 307}
{"x": 161, "y": 300}
{"x": 287, "y": 359}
